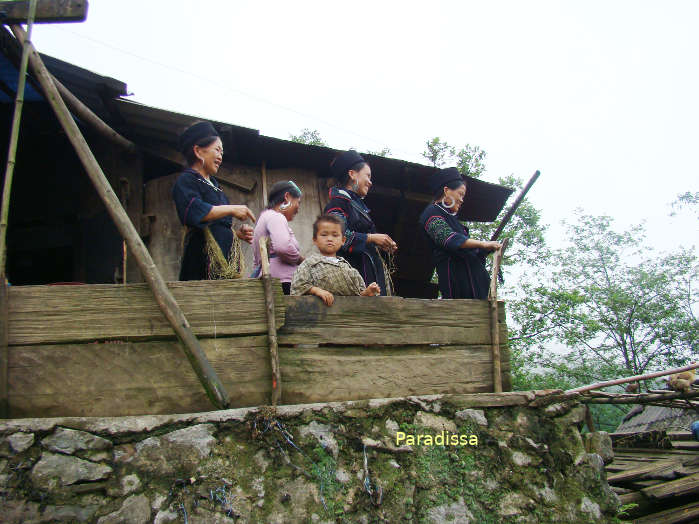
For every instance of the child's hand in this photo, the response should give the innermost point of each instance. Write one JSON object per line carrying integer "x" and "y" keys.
{"x": 325, "y": 296}
{"x": 372, "y": 290}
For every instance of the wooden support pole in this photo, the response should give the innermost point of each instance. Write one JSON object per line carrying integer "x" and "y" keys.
{"x": 271, "y": 323}
{"x": 632, "y": 379}
{"x": 588, "y": 419}
{"x": 85, "y": 114}
{"x": 494, "y": 329}
{"x": 47, "y": 11}
{"x": 510, "y": 212}
{"x": 5, "y": 214}
{"x": 163, "y": 296}
{"x": 264, "y": 184}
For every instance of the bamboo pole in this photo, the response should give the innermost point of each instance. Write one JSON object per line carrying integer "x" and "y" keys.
{"x": 271, "y": 323}
{"x": 510, "y": 212}
{"x": 642, "y": 398}
{"x": 632, "y": 379}
{"x": 5, "y": 215}
{"x": 171, "y": 310}
{"x": 494, "y": 331}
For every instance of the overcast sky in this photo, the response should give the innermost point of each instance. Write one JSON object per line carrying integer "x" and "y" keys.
{"x": 601, "y": 96}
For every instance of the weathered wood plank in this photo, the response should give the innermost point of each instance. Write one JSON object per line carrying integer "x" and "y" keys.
{"x": 643, "y": 471}
{"x": 387, "y": 320}
{"x": 686, "y": 513}
{"x": 47, "y": 11}
{"x": 350, "y": 373}
{"x": 58, "y": 314}
{"x": 112, "y": 379}
{"x": 675, "y": 488}
{"x": 152, "y": 377}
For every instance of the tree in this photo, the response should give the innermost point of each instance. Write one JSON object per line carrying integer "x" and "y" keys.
{"x": 384, "y": 151}
{"x": 309, "y": 137}
{"x": 686, "y": 200}
{"x": 616, "y": 306}
{"x": 438, "y": 152}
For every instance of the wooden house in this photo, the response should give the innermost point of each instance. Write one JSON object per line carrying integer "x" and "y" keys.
{"x": 104, "y": 347}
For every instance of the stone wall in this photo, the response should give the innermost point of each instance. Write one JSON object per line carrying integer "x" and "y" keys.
{"x": 512, "y": 457}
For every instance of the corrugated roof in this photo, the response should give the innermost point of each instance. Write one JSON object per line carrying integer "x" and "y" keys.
{"x": 657, "y": 417}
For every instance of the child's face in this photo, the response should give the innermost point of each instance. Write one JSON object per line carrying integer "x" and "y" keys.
{"x": 329, "y": 238}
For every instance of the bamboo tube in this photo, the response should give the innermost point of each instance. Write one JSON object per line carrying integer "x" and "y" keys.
{"x": 5, "y": 214}
{"x": 271, "y": 324}
{"x": 632, "y": 379}
{"x": 197, "y": 358}
{"x": 494, "y": 332}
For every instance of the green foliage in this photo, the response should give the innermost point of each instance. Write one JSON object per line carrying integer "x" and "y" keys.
{"x": 614, "y": 305}
{"x": 384, "y": 151}
{"x": 438, "y": 152}
{"x": 309, "y": 137}
{"x": 686, "y": 200}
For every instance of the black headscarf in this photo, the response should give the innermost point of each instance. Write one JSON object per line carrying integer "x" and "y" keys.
{"x": 194, "y": 134}
{"x": 343, "y": 163}
{"x": 442, "y": 177}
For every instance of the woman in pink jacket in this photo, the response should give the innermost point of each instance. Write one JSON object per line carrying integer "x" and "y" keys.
{"x": 283, "y": 204}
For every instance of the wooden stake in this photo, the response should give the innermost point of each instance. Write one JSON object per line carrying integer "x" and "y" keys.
{"x": 271, "y": 325}
{"x": 588, "y": 419}
{"x": 494, "y": 330}
{"x": 5, "y": 213}
{"x": 163, "y": 296}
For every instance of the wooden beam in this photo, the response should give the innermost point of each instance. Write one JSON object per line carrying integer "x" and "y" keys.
{"x": 47, "y": 11}
{"x": 271, "y": 324}
{"x": 215, "y": 390}
{"x": 85, "y": 114}
{"x": 635, "y": 378}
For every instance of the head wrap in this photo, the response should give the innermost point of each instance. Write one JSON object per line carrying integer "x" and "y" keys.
{"x": 442, "y": 177}
{"x": 194, "y": 133}
{"x": 344, "y": 162}
{"x": 282, "y": 187}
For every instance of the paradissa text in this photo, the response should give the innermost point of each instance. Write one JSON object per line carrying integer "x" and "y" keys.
{"x": 445, "y": 438}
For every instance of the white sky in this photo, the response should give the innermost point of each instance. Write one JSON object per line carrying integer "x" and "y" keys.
{"x": 601, "y": 96}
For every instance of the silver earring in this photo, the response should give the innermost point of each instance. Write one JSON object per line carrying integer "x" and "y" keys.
{"x": 355, "y": 187}
{"x": 285, "y": 205}
{"x": 448, "y": 206}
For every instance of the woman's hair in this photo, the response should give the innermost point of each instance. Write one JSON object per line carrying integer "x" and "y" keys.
{"x": 328, "y": 219}
{"x": 344, "y": 177}
{"x": 454, "y": 184}
{"x": 189, "y": 155}
{"x": 277, "y": 197}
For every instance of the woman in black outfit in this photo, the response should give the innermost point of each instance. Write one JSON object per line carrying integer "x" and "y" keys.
{"x": 459, "y": 259}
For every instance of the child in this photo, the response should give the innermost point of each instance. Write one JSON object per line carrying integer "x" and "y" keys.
{"x": 326, "y": 274}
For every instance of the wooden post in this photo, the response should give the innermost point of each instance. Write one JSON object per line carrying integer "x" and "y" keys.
{"x": 5, "y": 215}
{"x": 494, "y": 329}
{"x": 163, "y": 296}
{"x": 271, "y": 323}
{"x": 588, "y": 419}
{"x": 264, "y": 184}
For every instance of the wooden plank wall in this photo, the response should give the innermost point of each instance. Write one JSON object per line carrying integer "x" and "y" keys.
{"x": 106, "y": 350}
